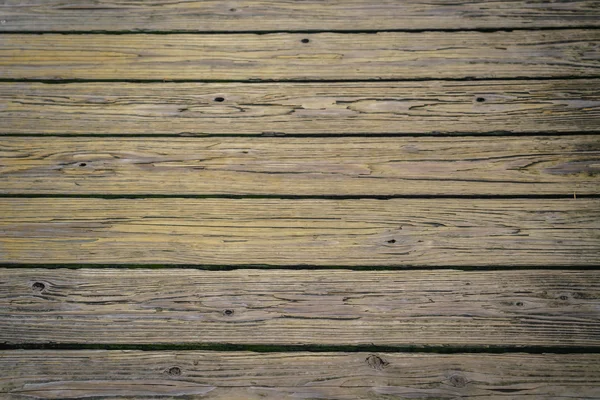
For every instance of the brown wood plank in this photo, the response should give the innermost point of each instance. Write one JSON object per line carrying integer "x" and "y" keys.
{"x": 301, "y": 166}
{"x": 396, "y": 232}
{"x": 287, "y": 307}
{"x": 284, "y": 56}
{"x": 246, "y": 375}
{"x": 269, "y": 15}
{"x": 301, "y": 108}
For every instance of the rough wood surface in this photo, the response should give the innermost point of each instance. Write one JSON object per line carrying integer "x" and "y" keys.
{"x": 323, "y": 307}
{"x": 284, "y": 56}
{"x": 301, "y": 166}
{"x": 270, "y": 15}
{"x": 397, "y": 232}
{"x": 301, "y": 108}
{"x": 253, "y": 376}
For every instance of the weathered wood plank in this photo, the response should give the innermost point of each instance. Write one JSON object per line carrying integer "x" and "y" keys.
{"x": 397, "y": 232}
{"x": 301, "y": 108}
{"x": 284, "y": 56}
{"x": 246, "y": 375}
{"x": 270, "y": 15}
{"x": 304, "y": 166}
{"x": 284, "y": 307}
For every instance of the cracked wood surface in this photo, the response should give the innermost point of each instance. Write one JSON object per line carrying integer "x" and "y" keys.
{"x": 244, "y": 375}
{"x": 336, "y": 166}
{"x": 273, "y": 15}
{"x": 319, "y": 307}
{"x": 395, "y": 232}
{"x": 284, "y": 56}
{"x": 301, "y": 108}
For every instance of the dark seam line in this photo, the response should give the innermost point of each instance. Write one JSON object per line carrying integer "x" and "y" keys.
{"x": 301, "y": 80}
{"x": 292, "y": 31}
{"x": 259, "y": 348}
{"x": 307, "y": 135}
{"x": 233, "y": 267}
{"x": 568, "y": 196}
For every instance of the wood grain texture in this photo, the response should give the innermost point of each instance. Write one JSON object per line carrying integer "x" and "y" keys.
{"x": 301, "y": 166}
{"x": 253, "y": 376}
{"x": 284, "y": 307}
{"x": 270, "y": 15}
{"x": 301, "y": 108}
{"x": 283, "y": 56}
{"x": 397, "y": 232}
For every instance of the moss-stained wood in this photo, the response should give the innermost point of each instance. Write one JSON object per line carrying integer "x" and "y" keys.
{"x": 284, "y": 307}
{"x": 270, "y": 15}
{"x": 285, "y": 56}
{"x": 397, "y": 232}
{"x": 335, "y": 166}
{"x": 253, "y": 376}
{"x": 301, "y": 108}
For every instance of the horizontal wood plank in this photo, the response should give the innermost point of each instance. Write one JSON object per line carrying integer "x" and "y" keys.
{"x": 301, "y": 108}
{"x": 286, "y": 307}
{"x": 270, "y": 15}
{"x": 396, "y": 232}
{"x": 245, "y": 375}
{"x": 285, "y": 56}
{"x": 339, "y": 166}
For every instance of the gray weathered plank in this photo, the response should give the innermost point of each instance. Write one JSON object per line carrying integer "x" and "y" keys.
{"x": 269, "y": 15}
{"x": 567, "y": 165}
{"x": 396, "y": 232}
{"x": 246, "y": 375}
{"x": 284, "y": 56}
{"x": 316, "y": 307}
{"x": 301, "y": 108}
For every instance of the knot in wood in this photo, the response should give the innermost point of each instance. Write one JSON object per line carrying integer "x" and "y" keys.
{"x": 38, "y": 286}
{"x": 174, "y": 371}
{"x": 458, "y": 380}
{"x": 376, "y": 362}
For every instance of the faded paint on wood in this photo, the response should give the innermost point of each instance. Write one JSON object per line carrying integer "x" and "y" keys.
{"x": 301, "y": 108}
{"x": 285, "y": 56}
{"x": 283, "y": 307}
{"x": 396, "y": 232}
{"x": 269, "y": 15}
{"x": 567, "y": 165}
{"x": 253, "y": 376}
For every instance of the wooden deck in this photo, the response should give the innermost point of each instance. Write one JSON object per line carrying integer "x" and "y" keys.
{"x": 341, "y": 199}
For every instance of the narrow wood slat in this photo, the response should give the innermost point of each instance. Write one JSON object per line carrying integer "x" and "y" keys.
{"x": 305, "y": 166}
{"x": 397, "y": 232}
{"x": 285, "y": 307}
{"x": 283, "y": 56}
{"x": 269, "y": 15}
{"x": 246, "y": 375}
{"x": 301, "y": 108}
